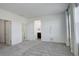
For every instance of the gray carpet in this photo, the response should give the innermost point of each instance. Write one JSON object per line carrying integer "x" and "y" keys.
{"x": 36, "y": 48}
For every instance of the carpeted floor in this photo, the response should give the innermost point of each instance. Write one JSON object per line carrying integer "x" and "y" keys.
{"x": 36, "y": 48}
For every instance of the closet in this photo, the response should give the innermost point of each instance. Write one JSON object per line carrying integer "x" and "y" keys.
{"x": 5, "y": 32}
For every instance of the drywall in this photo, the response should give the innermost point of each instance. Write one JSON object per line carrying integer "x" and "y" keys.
{"x": 53, "y": 28}
{"x": 24, "y": 32}
{"x": 30, "y": 31}
{"x": 37, "y": 27}
{"x": 6, "y": 15}
{"x": 17, "y": 21}
{"x": 16, "y": 33}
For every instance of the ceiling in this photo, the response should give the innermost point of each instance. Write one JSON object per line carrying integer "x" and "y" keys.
{"x": 34, "y": 9}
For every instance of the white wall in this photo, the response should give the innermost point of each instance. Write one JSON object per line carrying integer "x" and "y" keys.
{"x": 24, "y": 32}
{"x": 16, "y": 27}
{"x": 37, "y": 27}
{"x": 53, "y": 28}
{"x": 16, "y": 33}
{"x": 30, "y": 31}
{"x": 6, "y": 15}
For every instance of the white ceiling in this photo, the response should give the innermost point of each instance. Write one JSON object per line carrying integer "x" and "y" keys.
{"x": 34, "y": 9}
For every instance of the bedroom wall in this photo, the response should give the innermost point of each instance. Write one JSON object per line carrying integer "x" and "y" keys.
{"x": 17, "y": 23}
{"x": 53, "y": 28}
{"x": 16, "y": 33}
{"x": 6, "y": 15}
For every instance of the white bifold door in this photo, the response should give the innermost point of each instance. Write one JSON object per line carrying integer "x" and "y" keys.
{"x": 7, "y": 26}
{"x": 5, "y": 32}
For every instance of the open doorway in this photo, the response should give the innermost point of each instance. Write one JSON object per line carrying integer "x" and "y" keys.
{"x": 37, "y": 29}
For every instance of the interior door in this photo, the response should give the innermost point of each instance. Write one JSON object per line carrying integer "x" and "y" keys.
{"x": 2, "y": 31}
{"x": 8, "y": 32}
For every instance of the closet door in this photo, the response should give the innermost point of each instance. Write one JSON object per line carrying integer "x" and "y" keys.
{"x": 8, "y": 32}
{"x": 2, "y": 31}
